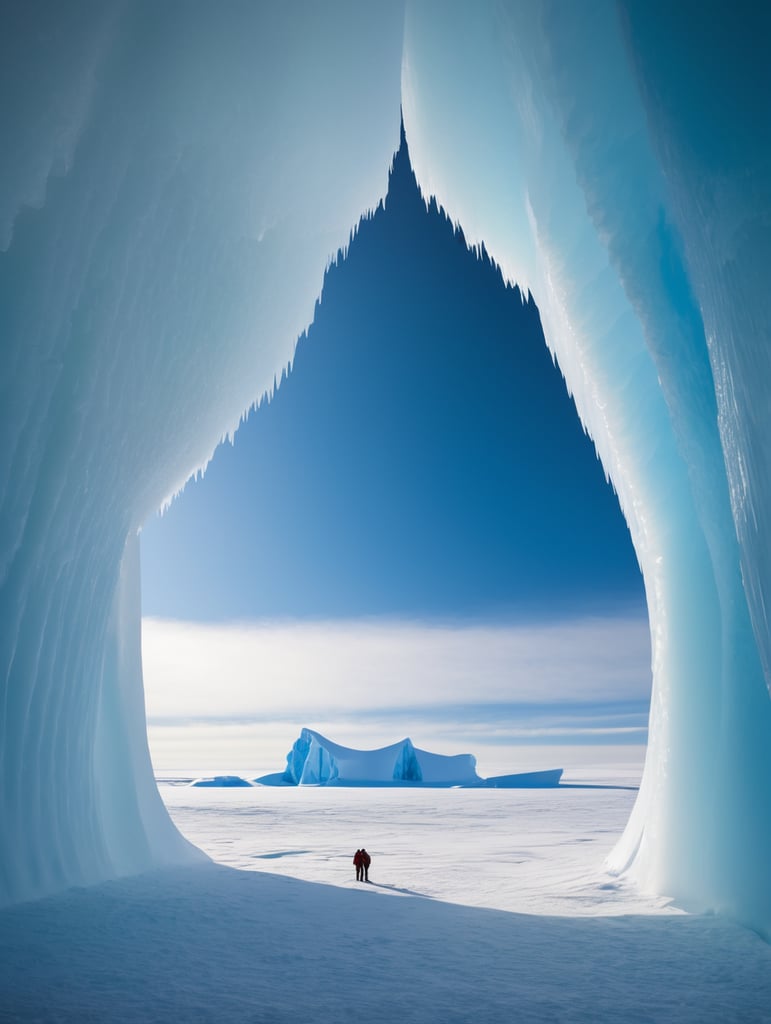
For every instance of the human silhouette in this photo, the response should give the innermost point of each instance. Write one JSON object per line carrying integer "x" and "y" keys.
{"x": 366, "y": 860}
{"x": 358, "y": 862}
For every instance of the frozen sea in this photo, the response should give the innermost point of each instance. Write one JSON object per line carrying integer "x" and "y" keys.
{"x": 527, "y": 851}
{"x": 483, "y": 905}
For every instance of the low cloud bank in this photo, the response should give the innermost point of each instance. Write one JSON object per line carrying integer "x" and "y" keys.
{"x": 217, "y": 691}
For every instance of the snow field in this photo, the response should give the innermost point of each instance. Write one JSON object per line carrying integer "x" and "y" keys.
{"x": 528, "y": 851}
{"x": 483, "y": 906}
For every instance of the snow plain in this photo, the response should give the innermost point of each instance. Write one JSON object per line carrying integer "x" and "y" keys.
{"x": 483, "y": 906}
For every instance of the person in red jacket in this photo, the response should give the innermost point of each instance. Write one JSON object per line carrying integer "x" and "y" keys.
{"x": 366, "y": 860}
{"x": 358, "y": 862}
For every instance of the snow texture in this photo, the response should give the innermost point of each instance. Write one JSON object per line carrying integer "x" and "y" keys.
{"x": 173, "y": 188}
{"x": 316, "y": 761}
{"x": 482, "y": 906}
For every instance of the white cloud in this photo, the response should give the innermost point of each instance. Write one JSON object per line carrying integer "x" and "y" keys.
{"x": 307, "y": 671}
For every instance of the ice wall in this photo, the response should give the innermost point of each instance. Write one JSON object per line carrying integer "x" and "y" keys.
{"x": 316, "y": 761}
{"x": 582, "y": 150}
{"x": 174, "y": 182}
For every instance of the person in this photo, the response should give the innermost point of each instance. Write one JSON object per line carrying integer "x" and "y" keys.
{"x": 366, "y": 860}
{"x": 358, "y": 863}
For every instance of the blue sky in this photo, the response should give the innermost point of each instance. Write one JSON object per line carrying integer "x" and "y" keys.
{"x": 422, "y": 459}
{"x": 420, "y": 469}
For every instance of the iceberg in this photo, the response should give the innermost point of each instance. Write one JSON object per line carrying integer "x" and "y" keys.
{"x": 173, "y": 190}
{"x": 221, "y": 782}
{"x": 316, "y": 761}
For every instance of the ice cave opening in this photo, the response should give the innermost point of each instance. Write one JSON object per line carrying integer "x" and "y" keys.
{"x": 408, "y": 515}
{"x": 173, "y": 191}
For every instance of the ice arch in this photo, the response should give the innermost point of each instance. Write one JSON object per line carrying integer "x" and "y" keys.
{"x": 176, "y": 182}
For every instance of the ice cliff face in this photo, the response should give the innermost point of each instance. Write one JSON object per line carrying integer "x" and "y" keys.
{"x": 316, "y": 761}
{"x": 579, "y": 143}
{"x": 174, "y": 183}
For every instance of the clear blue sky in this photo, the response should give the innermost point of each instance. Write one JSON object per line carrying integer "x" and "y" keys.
{"x": 422, "y": 459}
{"x": 414, "y": 537}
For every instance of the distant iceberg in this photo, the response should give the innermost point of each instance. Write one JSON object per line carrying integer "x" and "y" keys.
{"x": 221, "y": 781}
{"x": 316, "y": 761}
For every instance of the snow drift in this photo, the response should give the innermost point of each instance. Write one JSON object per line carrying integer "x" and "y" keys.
{"x": 173, "y": 188}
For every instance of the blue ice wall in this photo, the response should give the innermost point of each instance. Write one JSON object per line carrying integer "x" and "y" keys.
{"x": 575, "y": 145}
{"x": 174, "y": 182}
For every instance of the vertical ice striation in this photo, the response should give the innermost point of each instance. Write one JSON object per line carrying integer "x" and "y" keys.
{"x": 174, "y": 182}
{"x": 297, "y": 756}
{"x": 582, "y": 152}
{"x": 407, "y": 766}
{"x": 320, "y": 766}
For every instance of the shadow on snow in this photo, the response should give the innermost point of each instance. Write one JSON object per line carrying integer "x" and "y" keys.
{"x": 211, "y": 943}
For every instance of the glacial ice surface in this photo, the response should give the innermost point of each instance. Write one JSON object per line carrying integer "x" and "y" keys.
{"x": 174, "y": 185}
{"x": 614, "y": 159}
{"x": 173, "y": 188}
{"x": 316, "y": 761}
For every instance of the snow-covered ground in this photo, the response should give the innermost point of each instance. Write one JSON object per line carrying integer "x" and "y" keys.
{"x": 483, "y": 906}
{"x": 527, "y": 851}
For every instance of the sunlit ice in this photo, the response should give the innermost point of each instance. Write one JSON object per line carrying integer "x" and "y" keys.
{"x": 175, "y": 189}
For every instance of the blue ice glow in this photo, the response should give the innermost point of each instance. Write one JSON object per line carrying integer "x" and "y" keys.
{"x": 316, "y": 761}
{"x": 191, "y": 179}
{"x": 638, "y": 265}
{"x": 174, "y": 185}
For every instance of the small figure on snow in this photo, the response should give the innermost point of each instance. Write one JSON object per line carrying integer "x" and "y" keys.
{"x": 358, "y": 862}
{"x": 366, "y": 860}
